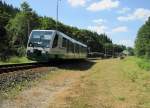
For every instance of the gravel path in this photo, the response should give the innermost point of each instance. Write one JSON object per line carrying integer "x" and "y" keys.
{"x": 43, "y": 94}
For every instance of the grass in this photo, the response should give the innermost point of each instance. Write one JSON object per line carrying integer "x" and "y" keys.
{"x": 15, "y": 60}
{"x": 144, "y": 63}
{"x": 113, "y": 83}
{"x": 109, "y": 83}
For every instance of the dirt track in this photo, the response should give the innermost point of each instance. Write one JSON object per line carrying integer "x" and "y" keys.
{"x": 42, "y": 95}
{"x": 97, "y": 84}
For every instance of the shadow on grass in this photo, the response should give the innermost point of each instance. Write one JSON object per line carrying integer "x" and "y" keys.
{"x": 80, "y": 65}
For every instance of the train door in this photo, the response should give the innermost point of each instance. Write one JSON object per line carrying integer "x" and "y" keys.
{"x": 55, "y": 51}
{"x": 55, "y": 41}
{"x": 64, "y": 45}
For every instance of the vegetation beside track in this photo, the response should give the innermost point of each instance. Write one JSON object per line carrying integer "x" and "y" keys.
{"x": 112, "y": 83}
{"x": 15, "y": 24}
{"x": 144, "y": 63}
{"x": 16, "y": 60}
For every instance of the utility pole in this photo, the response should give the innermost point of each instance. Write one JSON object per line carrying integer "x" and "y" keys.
{"x": 57, "y": 10}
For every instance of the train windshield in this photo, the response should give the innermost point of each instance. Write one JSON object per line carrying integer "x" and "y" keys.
{"x": 40, "y": 39}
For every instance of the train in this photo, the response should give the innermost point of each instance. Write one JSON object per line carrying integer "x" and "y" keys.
{"x": 44, "y": 45}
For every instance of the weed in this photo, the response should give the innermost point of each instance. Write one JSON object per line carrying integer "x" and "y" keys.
{"x": 15, "y": 60}
{"x": 121, "y": 98}
{"x": 144, "y": 64}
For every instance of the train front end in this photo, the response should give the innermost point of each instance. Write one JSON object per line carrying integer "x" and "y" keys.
{"x": 39, "y": 44}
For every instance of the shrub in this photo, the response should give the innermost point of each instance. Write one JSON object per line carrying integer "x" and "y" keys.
{"x": 144, "y": 64}
{"x": 21, "y": 51}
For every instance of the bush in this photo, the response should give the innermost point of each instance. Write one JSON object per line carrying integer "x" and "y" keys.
{"x": 144, "y": 64}
{"x": 21, "y": 51}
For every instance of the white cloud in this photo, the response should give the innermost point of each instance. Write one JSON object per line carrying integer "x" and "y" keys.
{"x": 138, "y": 14}
{"x": 76, "y": 3}
{"x": 99, "y": 29}
{"x": 120, "y": 29}
{"x": 128, "y": 43}
{"x": 103, "y": 5}
{"x": 124, "y": 10}
{"x": 99, "y": 21}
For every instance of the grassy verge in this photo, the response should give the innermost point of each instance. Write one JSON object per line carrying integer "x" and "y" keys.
{"x": 15, "y": 60}
{"x": 144, "y": 64}
{"x": 113, "y": 84}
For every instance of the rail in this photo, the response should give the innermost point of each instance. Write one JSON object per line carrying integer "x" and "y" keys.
{"x": 15, "y": 67}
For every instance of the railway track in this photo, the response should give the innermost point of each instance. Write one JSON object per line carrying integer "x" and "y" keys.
{"x": 54, "y": 63}
{"x": 15, "y": 67}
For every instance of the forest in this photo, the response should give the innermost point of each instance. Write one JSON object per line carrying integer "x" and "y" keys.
{"x": 17, "y": 23}
{"x": 142, "y": 43}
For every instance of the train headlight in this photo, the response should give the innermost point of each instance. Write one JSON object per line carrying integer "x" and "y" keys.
{"x": 43, "y": 52}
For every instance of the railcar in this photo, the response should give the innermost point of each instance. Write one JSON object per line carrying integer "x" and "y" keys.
{"x": 44, "y": 45}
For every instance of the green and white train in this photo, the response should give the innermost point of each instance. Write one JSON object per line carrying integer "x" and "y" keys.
{"x": 44, "y": 45}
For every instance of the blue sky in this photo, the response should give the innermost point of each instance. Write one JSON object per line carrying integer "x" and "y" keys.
{"x": 119, "y": 19}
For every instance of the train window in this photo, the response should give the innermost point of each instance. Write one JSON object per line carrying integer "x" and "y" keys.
{"x": 55, "y": 42}
{"x": 85, "y": 49}
{"x": 67, "y": 45}
{"x": 77, "y": 47}
{"x": 72, "y": 47}
{"x": 81, "y": 49}
{"x": 64, "y": 42}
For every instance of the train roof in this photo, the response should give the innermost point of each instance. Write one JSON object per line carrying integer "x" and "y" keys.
{"x": 71, "y": 39}
{"x": 45, "y": 30}
{"x": 64, "y": 35}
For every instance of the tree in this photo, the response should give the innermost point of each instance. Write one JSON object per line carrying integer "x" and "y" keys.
{"x": 26, "y": 8}
{"x": 46, "y": 23}
{"x": 142, "y": 43}
{"x": 21, "y": 25}
{"x": 17, "y": 29}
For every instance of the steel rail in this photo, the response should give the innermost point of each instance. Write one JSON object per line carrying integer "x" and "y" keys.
{"x": 15, "y": 67}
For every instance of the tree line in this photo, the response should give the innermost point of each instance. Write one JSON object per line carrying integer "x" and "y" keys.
{"x": 16, "y": 24}
{"x": 142, "y": 43}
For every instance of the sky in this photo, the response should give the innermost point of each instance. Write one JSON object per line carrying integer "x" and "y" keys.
{"x": 119, "y": 19}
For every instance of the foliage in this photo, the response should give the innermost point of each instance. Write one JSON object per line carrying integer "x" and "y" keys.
{"x": 46, "y": 23}
{"x": 131, "y": 51}
{"x": 17, "y": 29}
{"x": 20, "y": 26}
{"x": 18, "y": 60}
{"x": 6, "y": 13}
{"x": 2, "y": 37}
{"x": 122, "y": 78}
{"x": 14, "y": 60}
{"x": 144, "y": 64}
{"x": 17, "y": 24}
{"x": 142, "y": 44}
